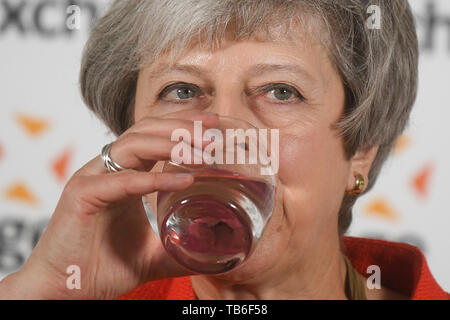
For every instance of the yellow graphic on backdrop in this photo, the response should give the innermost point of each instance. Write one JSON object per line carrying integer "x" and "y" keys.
{"x": 32, "y": 125}
{"x": 403, "y": 142}
{"x": 21, "y": 193}
{"x": 382, "y": 209}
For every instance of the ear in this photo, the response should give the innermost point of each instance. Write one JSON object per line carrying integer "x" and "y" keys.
{"x": 361, "y": 163}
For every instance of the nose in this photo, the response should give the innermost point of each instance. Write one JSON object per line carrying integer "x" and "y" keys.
{"x": 231, "y": 102}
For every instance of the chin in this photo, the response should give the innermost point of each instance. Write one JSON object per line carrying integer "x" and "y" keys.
{"x": 263, "y": 259}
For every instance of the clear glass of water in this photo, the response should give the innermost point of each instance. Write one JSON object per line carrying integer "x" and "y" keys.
{"x": 215, "y": 224}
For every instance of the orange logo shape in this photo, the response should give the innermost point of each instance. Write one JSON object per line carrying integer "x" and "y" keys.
{"x": 403, "y": 142}
{"x": 32, "y": 125}
{"x": 20, "y": 192}
{"x": 61, "y": 164}
{"x": 382, "y": 209}
{"x": 421, "y": 180}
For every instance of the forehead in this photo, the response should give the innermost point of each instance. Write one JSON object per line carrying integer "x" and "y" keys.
{"x": 297, "y": 52}
{"x": 300, "y": 32}
{"x": 292, "y": 38}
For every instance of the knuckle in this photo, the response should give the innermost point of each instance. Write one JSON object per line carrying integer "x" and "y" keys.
{"x": 124, "y": 179}
{"x": 155, "y": 180}
{"x": 75, "y": 195}
{"x": 126, "y": 139}
{"x": 124, "y": 148}
{"x": 144, "y": 122}
{"x": 74, "y": 185}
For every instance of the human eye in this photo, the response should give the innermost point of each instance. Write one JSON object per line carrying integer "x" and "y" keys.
{"x": 179, "y": 92}
{"x": 282, "y": 93}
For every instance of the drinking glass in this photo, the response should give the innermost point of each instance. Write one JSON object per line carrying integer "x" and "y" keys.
{"x": 215, "y": 224}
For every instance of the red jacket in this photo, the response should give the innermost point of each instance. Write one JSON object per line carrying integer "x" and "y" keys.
{"x": 403, "y": 269}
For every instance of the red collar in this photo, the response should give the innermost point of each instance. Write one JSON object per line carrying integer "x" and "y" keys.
{"x": 403, "y": 269}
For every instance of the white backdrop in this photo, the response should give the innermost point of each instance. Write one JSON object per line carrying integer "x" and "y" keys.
{"x": 46, "y": 133}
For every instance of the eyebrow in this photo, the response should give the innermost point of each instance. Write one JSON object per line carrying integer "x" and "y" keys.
{"x": 185, "y": 68}
{"x": 260, "y": 69}
{"x": 255, "y": 70}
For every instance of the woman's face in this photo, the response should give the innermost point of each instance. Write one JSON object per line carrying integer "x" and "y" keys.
{"x": 280, "y": 85}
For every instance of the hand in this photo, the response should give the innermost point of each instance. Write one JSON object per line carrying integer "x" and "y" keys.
{"x": 100, "y": 224}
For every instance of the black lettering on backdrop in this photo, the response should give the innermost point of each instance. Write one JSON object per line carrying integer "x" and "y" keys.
{"x": 431, "y": 20}
{"x": 29, "y": 17}
{"x": 32, "y": 17}
{"x": 11, "y": 232}
{"x": 18, "y": 237}
{"x": 38, "y": 21}
{"x": 13, "y": 16}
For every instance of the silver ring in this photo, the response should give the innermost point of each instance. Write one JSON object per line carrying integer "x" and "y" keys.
{"x": 109, "y": 163}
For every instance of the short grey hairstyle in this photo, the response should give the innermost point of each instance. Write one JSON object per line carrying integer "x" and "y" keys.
{"x": 378, "y": 67}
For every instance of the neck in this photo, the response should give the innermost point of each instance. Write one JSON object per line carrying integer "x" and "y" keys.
{"x": 317, "y": 273}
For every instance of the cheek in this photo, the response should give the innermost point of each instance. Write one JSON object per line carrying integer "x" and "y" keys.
{"x": 141, "y": 107}
{"x": 311, "y": 183}
{"x": 144, "y": 100}
{"x": 313, "y": 172}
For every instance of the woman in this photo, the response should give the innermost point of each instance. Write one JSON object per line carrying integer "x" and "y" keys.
{"x": 338, "y": 89}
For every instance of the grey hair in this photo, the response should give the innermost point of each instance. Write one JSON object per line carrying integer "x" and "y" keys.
{"x": 378, "y": 67}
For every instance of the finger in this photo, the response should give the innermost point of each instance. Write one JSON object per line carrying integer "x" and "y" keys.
{"x": 171, "y": 129}
{"x": 158, "y": 127}
{"x": 192, "y": 115}
{"x": 141, "y": 151}
{"x": 165, "y": 127}
{"x": 144, "y": 158}
{"x": 95, "y": 193}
